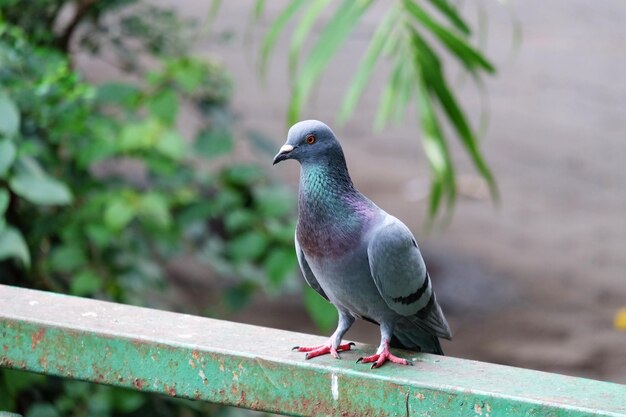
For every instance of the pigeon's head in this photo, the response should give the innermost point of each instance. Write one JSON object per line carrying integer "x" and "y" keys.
{"x": 309, "y": 141}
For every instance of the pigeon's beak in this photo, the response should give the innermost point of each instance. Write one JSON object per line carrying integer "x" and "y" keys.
{"x": 283, "y": 153}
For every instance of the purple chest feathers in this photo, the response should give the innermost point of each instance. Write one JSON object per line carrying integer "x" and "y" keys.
{"x": 332, "y": 233}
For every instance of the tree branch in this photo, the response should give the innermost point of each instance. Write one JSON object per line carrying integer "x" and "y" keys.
{"x": 82, "y": 9}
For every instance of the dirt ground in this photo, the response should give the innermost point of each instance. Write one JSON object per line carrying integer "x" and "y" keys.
{"x": 535, "y": 283}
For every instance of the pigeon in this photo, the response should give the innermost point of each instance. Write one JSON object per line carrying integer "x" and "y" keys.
{"x": 355, "y": 255}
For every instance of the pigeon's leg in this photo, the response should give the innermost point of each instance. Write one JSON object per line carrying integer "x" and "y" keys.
{"x": 382, "y": 354}
{"x": 333, "y": 346}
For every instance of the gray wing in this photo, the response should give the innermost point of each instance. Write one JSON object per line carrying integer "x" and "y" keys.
{"x": 400, "y": 274}
{"x": 309, "y": 277}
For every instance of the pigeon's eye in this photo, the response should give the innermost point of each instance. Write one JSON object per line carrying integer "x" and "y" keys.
{"x": 310, "y": 139}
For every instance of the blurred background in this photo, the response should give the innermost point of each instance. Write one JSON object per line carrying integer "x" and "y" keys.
{"x": 136, "y": 140}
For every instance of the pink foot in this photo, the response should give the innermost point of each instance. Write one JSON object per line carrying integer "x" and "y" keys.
{"x": 380, "y": 358}
{"x": 314, "y": 351}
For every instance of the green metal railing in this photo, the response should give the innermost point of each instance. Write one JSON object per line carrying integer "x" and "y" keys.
{"x": 252, "y": 367}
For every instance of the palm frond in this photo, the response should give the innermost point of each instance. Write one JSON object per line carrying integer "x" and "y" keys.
{"x": 403, "y": 36}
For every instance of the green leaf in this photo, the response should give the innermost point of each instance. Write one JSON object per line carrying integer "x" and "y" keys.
{"x": 13, "y": 245}
{"x": 101, "y": 146}
{"x": 99, "y": 235}
{"x": 118, "y": 93}
{"x": 437, "y": 153}
{"x": 242, "y": 174}
{"x": 469, "y": 56}
{"x": 262, "y": 143}
{"x": 171, "y": 145}
{"x": 164, "y": 105}
{"x": 189, "y": 74}
{"x": 248, "y": 246}
{"x": 40, "y": 189}
{"x": 99, "y": 403}
{"x": 269, "y": 41}
{"x": 67, "y": 258}
{"x": 237, "y": 297}
{"x": 406, "y": 88}
{"x": 330, "y": 39}
{"x": 18, "y": 381}
{"x": 118, "y": 213}
{"x": 85, "y": 283}
{"x": 433, "y": 79}
{"x": 259, "y": 7}
{"x": 196, "y": 212}
{"x": 279, "y": 264}
{"x": 212, "y": 143}
{"x": 126, "y": 401}
{"x": 321, "y": 311}
{"x": 4, "y": 201}
{"x": 390, "y": 95}
{"x": 140, "y": 136}
{"x": 359, "y": 81}
{"x": 9, "y": 116}
{"x": 302, "y": 31}
{"x": 274, "y": 201}
{"x": 153, "y": 209}
{"x": 29, "y": 165}
{"x": 213, "y": 9}
{"x": 239, "y": 219}
{"x": 450, "y": 12}
{"x": 7, "y": 156}
{"x": 42, "y": 410}
{"x": 436, "y": 191}
{"x": 459, "y": 123}
{"x": 227, "y": 199}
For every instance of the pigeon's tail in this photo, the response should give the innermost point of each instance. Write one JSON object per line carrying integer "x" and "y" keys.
{"x": 408, "y": 335}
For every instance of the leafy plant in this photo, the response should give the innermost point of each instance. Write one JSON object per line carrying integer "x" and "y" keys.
{"x": 71, "y": 221}
{"x": 410, "y": 35}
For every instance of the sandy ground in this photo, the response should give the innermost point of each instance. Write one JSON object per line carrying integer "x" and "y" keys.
{"x": 536, "y": 282}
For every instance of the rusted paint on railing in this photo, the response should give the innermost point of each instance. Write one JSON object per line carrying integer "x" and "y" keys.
{"x": 253, "y": 367}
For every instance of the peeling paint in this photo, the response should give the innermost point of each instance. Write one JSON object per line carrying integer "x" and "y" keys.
{"x": 171, "y": 391}
{"x": 334, "y": 386}
{"x": 203, "y": 376}
{"x": 138, "y": 383}
{"x": 37, "y": 337}
{"x": 138, "y": 355}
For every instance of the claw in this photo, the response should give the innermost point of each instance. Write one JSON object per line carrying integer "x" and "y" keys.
{"x": 360, "y": 359}
{"x": 379, "y": 359}
{"x": 324, "y": 349}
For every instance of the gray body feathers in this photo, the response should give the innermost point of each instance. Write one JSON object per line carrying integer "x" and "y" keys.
{"x": 363, "y": 260}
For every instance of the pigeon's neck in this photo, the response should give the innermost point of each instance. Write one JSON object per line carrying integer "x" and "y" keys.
{"x": 331, "y": 213}
{"x": 326, "y": 182}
